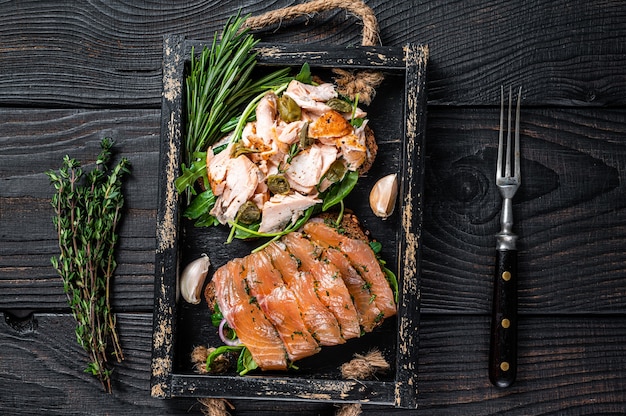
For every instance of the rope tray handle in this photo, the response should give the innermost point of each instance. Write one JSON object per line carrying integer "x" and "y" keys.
{"x": 356, "y": 7}
{"x": 349, "y": 83}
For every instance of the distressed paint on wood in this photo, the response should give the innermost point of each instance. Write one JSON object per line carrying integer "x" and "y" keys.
{"x": 165, "y": 287}
{"x": 406, "y": 66}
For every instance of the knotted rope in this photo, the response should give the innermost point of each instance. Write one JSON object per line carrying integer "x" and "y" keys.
{"x": 349, "y": 83}
{"x": 356, "y": 7}
{"x": 361, "y": 367}
{"x": 215, "y": 407}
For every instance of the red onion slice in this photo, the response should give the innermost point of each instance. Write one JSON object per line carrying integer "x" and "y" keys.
{"x": 224, "y": 338}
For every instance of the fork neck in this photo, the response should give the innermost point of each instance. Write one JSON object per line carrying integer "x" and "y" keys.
{"x": 506, "y": 239}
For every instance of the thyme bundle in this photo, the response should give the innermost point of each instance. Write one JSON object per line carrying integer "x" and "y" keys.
{"x": 88, "y": 210}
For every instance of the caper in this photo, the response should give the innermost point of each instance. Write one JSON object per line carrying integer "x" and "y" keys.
{"x": 288, "y": 110}
{"x": 240, "y": 149}
{"x": 305, "y": 140}
{"x": 335, "y": 172}
{"x": 340, "y": 105}
{"x": 278, "y": 184}
{"x": 248, "y": 213}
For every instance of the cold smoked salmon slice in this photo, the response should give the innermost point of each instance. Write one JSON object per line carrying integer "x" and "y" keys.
{"x": 329, "y": 285}
{"x": 363, "y": 260}
{"x": 245, "y": 316}
{"x": 369, "y": 314}
{"x": 279, "y": 305}
{"x": 320, "y": 322}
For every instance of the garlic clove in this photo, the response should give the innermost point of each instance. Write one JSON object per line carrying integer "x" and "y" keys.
{"x": 383, "y": 196}
{"x": 192, "y": 279}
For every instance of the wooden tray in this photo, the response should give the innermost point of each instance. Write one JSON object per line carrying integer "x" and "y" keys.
{"x": 397, "y": 116}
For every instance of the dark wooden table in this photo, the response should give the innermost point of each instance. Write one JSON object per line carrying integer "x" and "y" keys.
{"x": 74, "y": 72}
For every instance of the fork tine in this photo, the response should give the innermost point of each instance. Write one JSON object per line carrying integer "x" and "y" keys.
{"x": 518, "y": 175}
{"x": 500, "y": 135}
{"x": 510, "y": 137}
{"x": 507, "y": 165}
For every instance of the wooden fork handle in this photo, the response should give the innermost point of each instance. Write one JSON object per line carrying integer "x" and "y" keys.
{"x": 503, "y": 348}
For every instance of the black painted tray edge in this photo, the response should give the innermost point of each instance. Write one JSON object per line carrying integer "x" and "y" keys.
{"x": 402, "y": 392}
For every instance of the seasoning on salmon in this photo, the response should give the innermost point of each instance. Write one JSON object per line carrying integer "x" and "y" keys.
{"x": 280, "y": 306}
{"x": 306, "y": 290}
{"x": 245, "y": 316}
{"x": 363, "y": 260}
{"x": 369, "y": 314}
{"x": 329, "y": 285}
{"x": 320, "y": 322}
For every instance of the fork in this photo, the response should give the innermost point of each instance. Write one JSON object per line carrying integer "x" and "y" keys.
{"x": 503, "y": 344}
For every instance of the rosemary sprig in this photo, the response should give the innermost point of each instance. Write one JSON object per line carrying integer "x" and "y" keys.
{"x": 88, "y": 210}
{"x": 219, "y": 83}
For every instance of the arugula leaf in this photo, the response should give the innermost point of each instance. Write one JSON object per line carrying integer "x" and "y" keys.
{"x": 206, "y": 220}
{"x": 391, "y": 277}
{"x": 337, "y": 192}
{"x": 190, "y": 174}
{"x": 357, "y": 122}
{"x": 246, "y": 363}
{"x": 376, "y": 247}
{"x": 304, "y": 76}
{"x": 393, "y": 281}
{"x": 200, "y": 205}
{"x": 246, "y": 232}
{"x": 220, "y": 351}
{"x": 216, "y": 316}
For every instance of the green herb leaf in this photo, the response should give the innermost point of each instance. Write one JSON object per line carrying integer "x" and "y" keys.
{"x": 216, "y": 316}
{"x": 200, "y": 205}
{"x": 206, "y": 220}
{"x": 304, "y": 75}
{"x": 357, "y": 122}
{"x": 338, "y": 191}
{"x": 376, "y": 247}
{"x": 246, "y": 363}
{"x": 393, "y": 281}
{"x": 220, "y": 351}
{"x": 191, "y": 174}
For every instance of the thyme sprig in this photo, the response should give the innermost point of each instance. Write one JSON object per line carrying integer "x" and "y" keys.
{"x": 88, "y": 209}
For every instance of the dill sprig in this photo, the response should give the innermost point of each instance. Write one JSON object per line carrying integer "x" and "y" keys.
{"x": 88, "y": 208}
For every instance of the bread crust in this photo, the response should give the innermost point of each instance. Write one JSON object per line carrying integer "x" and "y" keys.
{"x": 372, "y": 151}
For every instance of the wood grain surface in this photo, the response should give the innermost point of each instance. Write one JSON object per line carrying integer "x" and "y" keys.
{"x": 108, "y": 53}
{"x": 574, "y": 185}
{"x": 72, "y": 73}
{"x": 567, "y": 365}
